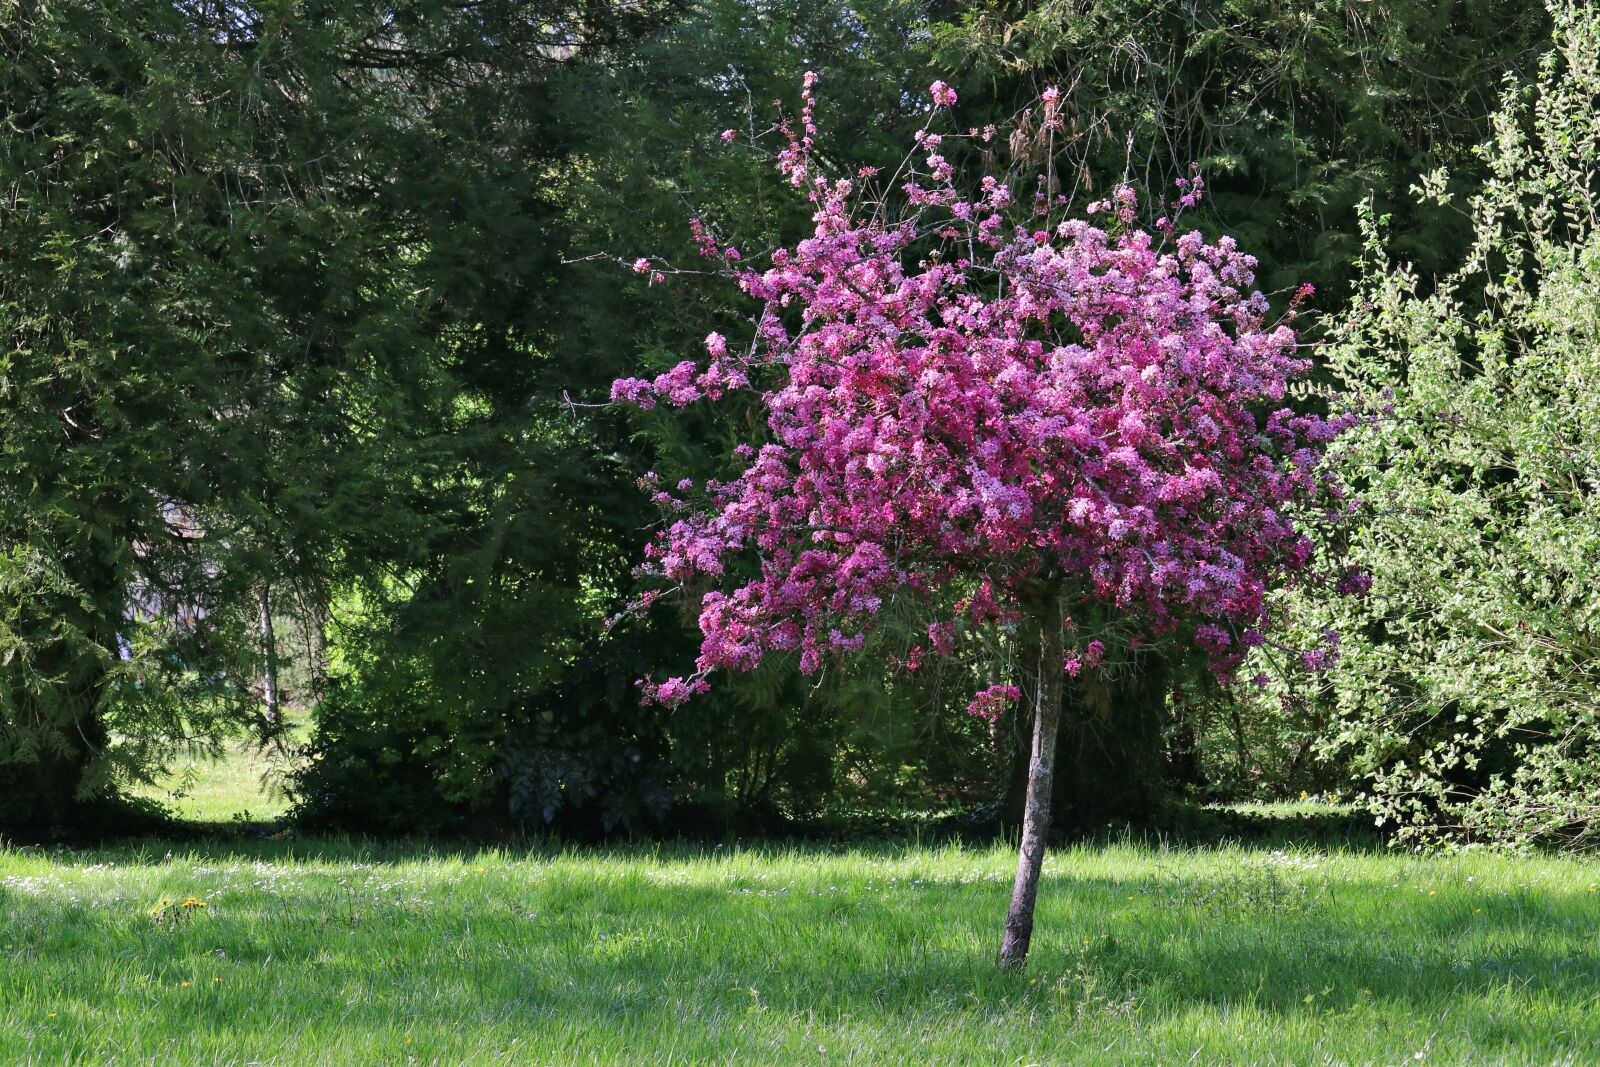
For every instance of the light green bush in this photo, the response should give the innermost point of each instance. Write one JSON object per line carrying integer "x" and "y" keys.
{"x": 1468, "y": 695}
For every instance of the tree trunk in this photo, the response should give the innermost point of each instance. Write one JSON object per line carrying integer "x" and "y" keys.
{"x": 1019, "y": 735}
{"x": 269, "y": 655}
{"x": 1183, "y": 768}
{"x": 1041, "y": 771}
{"x": 1113, "y": 747}
{"x": 316, "y": 625}
{"x": 1112, "y": 757}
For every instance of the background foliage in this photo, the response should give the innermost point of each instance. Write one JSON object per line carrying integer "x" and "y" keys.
{"x": 1296, "y": 112}
{"x": 1468, "y": 702}
{"x": 297, "y": 301}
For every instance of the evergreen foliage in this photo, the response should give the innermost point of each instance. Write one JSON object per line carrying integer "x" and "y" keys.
{"x": 255, "y": 259}
{"x": 1295, "y": 112}
{"x": 302, "y": 302}
{"x": 474, "y": 680}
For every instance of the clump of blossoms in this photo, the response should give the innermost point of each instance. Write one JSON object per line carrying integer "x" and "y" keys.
{"x": 1005, "y": 415}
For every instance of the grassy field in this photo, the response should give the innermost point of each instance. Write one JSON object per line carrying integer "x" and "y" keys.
{"x": 313, "y": 951}
{"x": 237, "y": 788}
{"x": 244, "y": 785}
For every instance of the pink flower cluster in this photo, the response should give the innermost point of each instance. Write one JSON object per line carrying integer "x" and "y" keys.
{"x": 991, "y": 702}
{"x": 960, "y": 410}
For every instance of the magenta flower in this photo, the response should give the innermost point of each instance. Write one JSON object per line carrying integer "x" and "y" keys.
{"x": 1093, "y": 423}
{"x": 991, "y": 702}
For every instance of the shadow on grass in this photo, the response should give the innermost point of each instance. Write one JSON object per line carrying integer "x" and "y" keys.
{"x": 1188, "y": 824}
{"x": 145, "y": 829}
{"x": 1345, "y": 828}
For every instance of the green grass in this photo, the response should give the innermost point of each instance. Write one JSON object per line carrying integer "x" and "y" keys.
{"x": 242, "y": 785}
{"x": 236, "y": 787}
{"x": 329, "y": 951}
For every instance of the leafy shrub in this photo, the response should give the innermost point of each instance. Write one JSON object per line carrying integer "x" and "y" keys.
{"x": 1469, "y": 693}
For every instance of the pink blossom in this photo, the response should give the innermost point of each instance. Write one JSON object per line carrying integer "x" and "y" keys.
{"x": 633, "y": 391}
{"x": 1081, "y": 408}
{"x": 990, "y": 703}
{"x": 673, "y": 691}
{"x": 1353, "y": 583}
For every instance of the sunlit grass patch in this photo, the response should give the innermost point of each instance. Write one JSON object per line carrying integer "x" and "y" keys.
{"x": 243, "y": 783}
{"x": 331, "y": 951}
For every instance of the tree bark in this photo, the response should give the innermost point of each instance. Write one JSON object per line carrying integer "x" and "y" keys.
{"x": 1019, "y": 737}
{"x": 1111, "y": 764}
{"x": 1041, "y": 780}
{"x": 316, "y": 626}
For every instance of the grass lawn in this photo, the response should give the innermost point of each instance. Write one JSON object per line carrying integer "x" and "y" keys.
{"x": 313, "y": 951}
{"x": 221, "y": 791}
{"x": 242, "y": 786}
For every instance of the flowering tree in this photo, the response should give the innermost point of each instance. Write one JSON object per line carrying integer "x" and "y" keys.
{"x": 1070, "y": 427}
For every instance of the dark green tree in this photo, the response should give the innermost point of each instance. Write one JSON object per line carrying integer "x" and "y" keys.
{"x": 1296, "y": 112}
{"x": 775, "y": 745}
{"x": 245, "y": 252}
{"x": 486, "y": 675}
